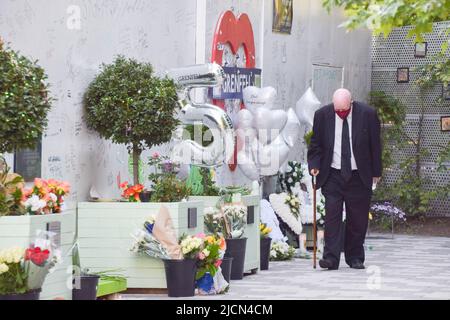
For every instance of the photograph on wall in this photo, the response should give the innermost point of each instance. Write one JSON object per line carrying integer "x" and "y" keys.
{"x": 421, "y": 50}
{"x": 402, "y": 75}
{"x": 282, "y": 16}
{"x": 445, "y": 123}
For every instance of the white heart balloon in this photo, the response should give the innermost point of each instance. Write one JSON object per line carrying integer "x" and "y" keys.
{"x": 306, "y": 106}
{"x": 272, "y": 156}
{"x": 291, "y": 130}
{"x": 245, "y": 137}
{"x": 268, "y": 123}
{"x": 247, "y": 165}
{"x": 244, "y": 119}
{"x": 255, "y": 97}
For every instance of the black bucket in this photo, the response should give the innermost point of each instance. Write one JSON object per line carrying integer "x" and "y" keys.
{"x": 226, "y": 268}
{"x": 236, "y": 250}
{"x": 180, "y": 277}
{"x": 30, "y": 295}
{"x": 88, "y": 287}
{"x": 265, "y": 253}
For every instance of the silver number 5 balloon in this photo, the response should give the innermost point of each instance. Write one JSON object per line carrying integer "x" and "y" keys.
{"x": 187, "y": 150}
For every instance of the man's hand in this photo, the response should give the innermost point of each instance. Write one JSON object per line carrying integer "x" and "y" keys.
{"x": 314, "y": 172}
{"x": 375, "y": 180}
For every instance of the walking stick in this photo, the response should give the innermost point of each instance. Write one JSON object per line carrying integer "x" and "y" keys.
{"x": 314, "y": 222}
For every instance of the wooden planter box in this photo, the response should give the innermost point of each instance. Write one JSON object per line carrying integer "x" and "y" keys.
{"x": 251, "y": 231}
{"x": 21, "y": 231}
{"x": 104, "y": 235}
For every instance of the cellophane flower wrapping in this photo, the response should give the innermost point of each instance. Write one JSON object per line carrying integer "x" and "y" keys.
{"x": 209, "y": 278}
{"x": 41, "y": 258}
{"x": 235, "y": 216}
{"x": 157, "y": 238}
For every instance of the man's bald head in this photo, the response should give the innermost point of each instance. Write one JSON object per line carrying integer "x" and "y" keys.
{"x": 342, "y": 99}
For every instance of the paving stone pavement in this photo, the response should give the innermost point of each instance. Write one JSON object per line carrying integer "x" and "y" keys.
{"x": 406, "y": 267}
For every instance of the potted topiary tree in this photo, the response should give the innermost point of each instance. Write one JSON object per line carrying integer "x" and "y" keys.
{"x": 129, "y": 104}
{"x": 24, "y": 101}
{"x": 24, "y": 104}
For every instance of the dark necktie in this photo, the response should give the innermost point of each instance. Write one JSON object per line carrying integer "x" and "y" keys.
{"x": 346, "y": 164}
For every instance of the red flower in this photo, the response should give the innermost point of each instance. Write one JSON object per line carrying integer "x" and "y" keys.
{"x": 37, "y": 256}
{"x": 124, "y": 185}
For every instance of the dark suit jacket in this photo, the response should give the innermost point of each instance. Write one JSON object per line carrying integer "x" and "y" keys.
{"x": 365, "y": 142}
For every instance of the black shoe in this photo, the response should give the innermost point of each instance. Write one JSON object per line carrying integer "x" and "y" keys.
{"x": 327, "y": 264}
{"x": 356, "y": 264}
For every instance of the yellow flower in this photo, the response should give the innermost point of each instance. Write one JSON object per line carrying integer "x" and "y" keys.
{"x": 370, "y": 216}
{"x": 210, "y": 239}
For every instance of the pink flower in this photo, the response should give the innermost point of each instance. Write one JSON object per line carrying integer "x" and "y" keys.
{"x": 200, "y": 235}
{"x": 155, "y": 155}
{"x": 201, "y": 256}
{"x": 218, "y": 263}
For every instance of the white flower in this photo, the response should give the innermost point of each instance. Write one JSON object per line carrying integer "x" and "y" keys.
{"x": 3, "y": 268}
{"x": 12, "y": 255}
{"x": 206, "y": 252}
{"x": 151, "y": 219}
{"x": 35, "y": 204}
{"x": 53, "y": 197}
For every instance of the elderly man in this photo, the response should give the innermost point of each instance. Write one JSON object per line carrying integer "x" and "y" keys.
{"x": 345, "y": 155}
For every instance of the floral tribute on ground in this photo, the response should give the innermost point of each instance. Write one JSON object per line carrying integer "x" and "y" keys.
{"x": 156, "y": 240}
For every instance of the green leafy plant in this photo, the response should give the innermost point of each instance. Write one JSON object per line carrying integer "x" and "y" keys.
{"x": 170, "y": 189}
{"x": 10, "y": 191}
{"x": 200, "y": 182}
{"x": 412, "y": 191}
{"x": 129, "y": 104}
{"x": 381, "y": 16}
{"x": 24, "y": 101}
{"x": 166, "y": 186}
{"x": 308, "y": 137}
{"x": 200, "y": 133}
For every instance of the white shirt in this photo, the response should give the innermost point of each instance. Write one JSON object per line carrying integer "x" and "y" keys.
{"x": 336, "y": 162}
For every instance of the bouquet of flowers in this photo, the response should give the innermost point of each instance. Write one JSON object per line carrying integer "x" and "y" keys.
{"x": 23, "y": 270}
{"x": 229, "y": 221}
{"x": 294, "y": 203}
{"x": 191, "y": 246}
{"x": 45, "y": 197}
{"x": 11, "y": 185}
{"x": 281, "y": 251}
{"x": 264, "y": 230}
{"x": 235, "y": 218}
{"x": 146, "y": 243}
{"x": 209, "y": 278}
{"x": 130, "y": 192}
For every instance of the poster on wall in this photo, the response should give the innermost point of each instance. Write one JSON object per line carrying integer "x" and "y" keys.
{"x": 325, "y": 80}
{"x": 282, "y": 16}
{"x": 233, "y": 48}
{"x": 27, "y": 162}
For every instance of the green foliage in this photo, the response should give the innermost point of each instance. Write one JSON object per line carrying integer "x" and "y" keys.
{"x": 24, "y": 101}
{"x": 308, "y": 137}
{"x": 391, "y": 113}
{"x": 438, "y": 71}
{"x": 10, "y": 191}
{"x": 169, "y": 189}
{"x": 130, "y": 105}
{"x": 381, "y": 16}
{"x": 14, "y": 281}
{"x": 200, "y": 182}
{"x": 412, "y": 191}
{"x": 200, "y": 133}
